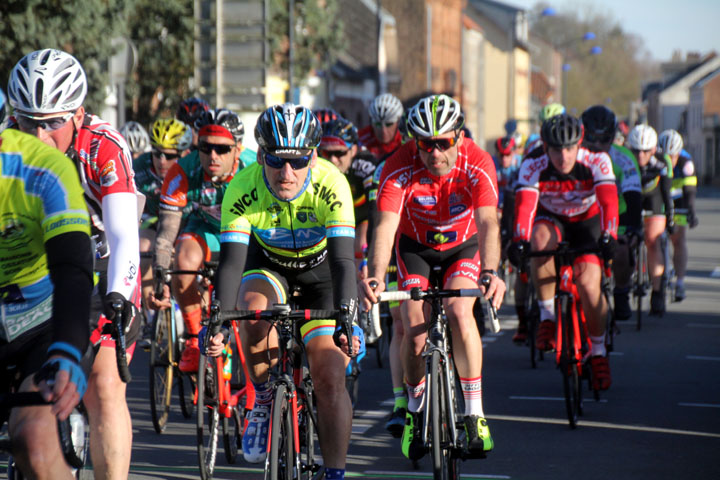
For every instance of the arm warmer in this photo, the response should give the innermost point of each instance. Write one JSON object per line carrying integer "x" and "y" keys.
{"x": 121, "y": 229}
{"x": 526, "y": 200}
{"x": 633, "y": 202}
{"x": 665, "y": 184}
{"x": 229, "y": 274}
{"x": 689, "y": 192}
{"x": 342, "y": 266}
{"x": 607, "y": 197}
{"x": 70, "y": 261}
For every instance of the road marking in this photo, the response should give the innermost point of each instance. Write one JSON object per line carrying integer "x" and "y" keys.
{"x": 700, "y": 357}
{"x": 392, "y": 474}
{"x": 715, "y": 273}
{"x": 552, "y": 399}
{"x": 702, "y": 280}
{"x": 617, "y": 426}
{"x": 359, "y": 428}
{"x": 371, "y": 413}
{"x": 709, "y": 405}
{"x": 703, "y": 325}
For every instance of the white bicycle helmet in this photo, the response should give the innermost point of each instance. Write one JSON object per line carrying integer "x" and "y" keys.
{"x": 385, "y": 108}
{"x": 136, "y": 136}
{"x": 47, "y": 81}
{"x": 435, "y": 115}
{"x": 670, "y": 142}
{"x": 642, "y": 137}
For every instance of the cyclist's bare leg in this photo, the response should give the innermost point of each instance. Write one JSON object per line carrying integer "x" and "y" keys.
{"x": 36, "y": 445}
{"x": 544, "y": 237}
{"x": 189, "y": 255}
{"x": 680, "y": 252}
{"x": 256, "y": 336}
{"x": 467, "y": 346}
{"x": 327, "y": 369}
{"x": 587, "y": 277}
{"x": 654, "y": 227}
{"x": 109, "y": 418}
{"x": 147, "y": 244}
{"x": 413, "y": 317}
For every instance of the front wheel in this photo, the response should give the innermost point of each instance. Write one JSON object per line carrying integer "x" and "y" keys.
{"x": 567, "y": 361}
{"x": 281, "y": 459}
{"x": 208, "y": 417}
{"x": 161, "y": 369}
{"x": 445, "y": 464}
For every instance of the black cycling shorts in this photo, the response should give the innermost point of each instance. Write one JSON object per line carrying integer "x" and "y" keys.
{"x": 579, "y": 235}
{"x": 652, "y": 203}
{"x": 415, "y": 262}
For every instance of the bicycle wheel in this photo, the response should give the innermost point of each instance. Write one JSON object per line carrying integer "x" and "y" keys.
{"x": 567, "y": 361}
{"x": 641, "y": 283}
{"x": 352, "y": 381}
{"x": 208, "y": 417}
{"x": 280, "y": 460}
{"x": 443, "y": 462}
{"x": 186, "y": 392}
{"x": 232, "y": 428}
{"x": 161, "y": 369}
{"x": 306, "y": 425}
{"x": 533, "y": 314}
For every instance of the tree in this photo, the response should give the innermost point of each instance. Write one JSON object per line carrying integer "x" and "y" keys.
{"x": 163, "y": 36}
{"x": 613, "y": 77}
{"x": 318, "y": 34}
{"x": 84, "y": 28}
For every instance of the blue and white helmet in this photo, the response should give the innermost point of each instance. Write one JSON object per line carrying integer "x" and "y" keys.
{"x": 288, "y": 126}
{"x": 670, "y": 142}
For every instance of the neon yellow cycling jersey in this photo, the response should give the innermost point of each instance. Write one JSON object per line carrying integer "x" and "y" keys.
{"x": 291, "y": 229}
{"x": 40, "y": 198}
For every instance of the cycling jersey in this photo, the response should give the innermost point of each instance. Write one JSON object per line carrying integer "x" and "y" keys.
{"x": 587, "y": 190}
{"x": 656, "y": 180}
{"x": 293, "y": 233}
{"x": 506, "y": 176}
{"x": 684, "y": 185}
{"x": 148, "y": 182}
{"x": 41, "y": 199}
{"x": 367, "y": 139}
{"x": 360, "y": 178}
{"x": 438, "y": 211}
{"x": 627, "y": 181}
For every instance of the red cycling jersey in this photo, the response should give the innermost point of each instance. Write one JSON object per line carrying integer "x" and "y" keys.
{"x": 438, "y": 211}
{"x": 367, "y": 139}
{"x": 588, "y": 190}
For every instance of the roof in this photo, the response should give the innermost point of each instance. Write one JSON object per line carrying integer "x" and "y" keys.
{"x": 680, "y": 75}
{"x": 707, "y": 78}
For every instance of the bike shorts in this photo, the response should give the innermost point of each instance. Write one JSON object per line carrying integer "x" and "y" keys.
{"x": 314, "y": 285}
{"x": 415, "y": 262}
{"x": 204, "y": 234}
{"x": 101, "y": 327}
{"x": 580, "y": 234}
{"x": 652, "y": 204}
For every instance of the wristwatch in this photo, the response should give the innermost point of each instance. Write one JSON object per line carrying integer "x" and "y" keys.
{"x": 490, "y": 272}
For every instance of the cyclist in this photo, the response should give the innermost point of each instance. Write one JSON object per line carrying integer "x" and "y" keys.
{"x": 325, "y": 115}
{"x": 382, "y": 137}
{"x": 568, "y": 194}
{"x": 339, "y": 145}
{"x": 600, "y": 125}
{"x": 171, "y": 139}
{"x": 194, "y": 188}
{"x": 439, "y": 194}
{"x": 656, "y": 177}
{"x": 288, "y": 221}
{"x": 136, "y": 137}
{"x": 47, "y": 89}
{"x": 683, "y": 190}
{"x": 189, "y": 111}
{"x": 45, "y": 288}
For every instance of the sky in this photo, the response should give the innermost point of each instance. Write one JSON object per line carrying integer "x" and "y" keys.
{"x": 664, "y": 25}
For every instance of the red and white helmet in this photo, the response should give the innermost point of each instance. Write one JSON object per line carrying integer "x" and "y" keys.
{"x": 47, "y": 81}
{"x": 670, "y": 142}
{"x": 642, "y": 137}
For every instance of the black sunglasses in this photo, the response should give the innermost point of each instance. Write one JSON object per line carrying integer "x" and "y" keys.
{"x": 220, "y": 149}
{"x": 274, "y": 161}
{"x": 168, "y": 156}
{"x": 442, "y": 144}
{"x": 30, "y": 124}
{"x": 327, "y": 154}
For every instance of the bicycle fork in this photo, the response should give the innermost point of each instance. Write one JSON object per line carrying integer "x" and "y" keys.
{"x": 450, "y": 410}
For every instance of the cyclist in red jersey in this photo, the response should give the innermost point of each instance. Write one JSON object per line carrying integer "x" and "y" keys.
{"x": 439, "y": 195}
{"x": 47, "y": 89}
{"x": 383, "y": 136}
{"x": 568, "y": 193}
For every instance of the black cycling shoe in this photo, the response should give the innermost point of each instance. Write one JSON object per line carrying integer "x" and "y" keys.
{"x": 623, "y": 311}
{"x": 657, "y": 303}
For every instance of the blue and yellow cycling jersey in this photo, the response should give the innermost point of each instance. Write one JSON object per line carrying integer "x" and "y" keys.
{"x": 288, "y": 229}
{"x": 40, "y": 198}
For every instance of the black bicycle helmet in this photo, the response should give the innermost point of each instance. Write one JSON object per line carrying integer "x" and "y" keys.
{"x": 562, "y": 131}
{"x": 599, "y": 123}
{"x": 288, "y": 126}
{"x": 225, "y": 118}
{"x": 339, "y": 129}
{"x": 190, "y": 110}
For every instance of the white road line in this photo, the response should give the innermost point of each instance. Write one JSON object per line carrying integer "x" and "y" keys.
{"x": 708, "y": 405}
{"x": 701, "y": 357}
{"x": 703, "y": 280}
{"x": 551, "y": 399}
{"x": 715, "y": 273}
{"x": 416, "y": 474}
{"x": 584, "y": 424}
{"x": 371, "y": 413}
{"x": 359, "y": 429}
{"x": 703, "y": 325}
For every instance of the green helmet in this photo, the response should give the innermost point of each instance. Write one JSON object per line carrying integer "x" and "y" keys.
{"x": 550, "y": 110}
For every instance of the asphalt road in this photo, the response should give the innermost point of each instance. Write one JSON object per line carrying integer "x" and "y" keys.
{"x": 659, "y": 420}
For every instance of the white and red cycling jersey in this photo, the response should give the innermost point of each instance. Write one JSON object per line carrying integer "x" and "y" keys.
{"x": 438, "y": 211}
{"x": 587, "y": 190}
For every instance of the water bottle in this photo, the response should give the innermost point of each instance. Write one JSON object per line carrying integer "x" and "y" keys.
{"x": 77, "y": 427}
{"x": 227, "y": 363}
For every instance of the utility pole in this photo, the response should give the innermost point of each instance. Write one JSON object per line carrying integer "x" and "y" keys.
{"x": 291, "y": 50}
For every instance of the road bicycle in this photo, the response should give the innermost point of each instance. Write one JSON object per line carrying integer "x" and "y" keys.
{"x": 640, "y": 279}
{"x": 293, "y": 419}
{"x": 668, "y": 277}
{"x": 572, "y": 344}
{"x": 443, "y": 429}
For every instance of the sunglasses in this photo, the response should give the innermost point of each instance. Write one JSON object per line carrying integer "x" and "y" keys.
{"x": 327, "y": 154}
{"x": 274, "y": 161}
{"x": 206, "y": 148}
{"x": 167, "y": 156}
{"x": 385, "y": 124}
{"x": 442, "y": 144}
{"x": 30, "y": 124}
